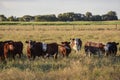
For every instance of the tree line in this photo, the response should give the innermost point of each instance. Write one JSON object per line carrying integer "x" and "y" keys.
{"x": 69, "y": 16}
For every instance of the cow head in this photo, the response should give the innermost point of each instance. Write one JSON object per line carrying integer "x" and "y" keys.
{"x": 65, "y": 43}
{"x": 30, "y": 43}
{"x": 10, "y": 45}
{"x": 115, "y": 43}
{"x": 72, "y": 41}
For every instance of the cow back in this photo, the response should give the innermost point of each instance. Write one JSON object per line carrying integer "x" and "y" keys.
{"x": 52, "y": 48}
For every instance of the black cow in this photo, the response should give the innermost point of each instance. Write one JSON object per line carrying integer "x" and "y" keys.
{"x": 9, "y": 49}
{"x": 50, "y": 49}
{"x": 111, "y": 48}
{"x": 34, "y": 49}
{"x": 41, "y": 49}
{"x": 18, "y": 48}
{"x": 2, "y": 50}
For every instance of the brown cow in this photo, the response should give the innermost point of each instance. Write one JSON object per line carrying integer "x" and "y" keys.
{"x": 29, "y": 46}
{"x": 9, "y": 49}
{"x": 94, "y": 48}
{"x": 65, "y": 49}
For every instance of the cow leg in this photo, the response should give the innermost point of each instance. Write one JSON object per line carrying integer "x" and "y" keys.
{"x": 47, "y": 55}
{"x": 99, "y": 53}
{"x": 6, "y": 55}
{"x": 67, "y": 55}
{"x": 55, "y": 57}
{"x": 34, "y": 57}
{"x": 88, "y": 53}
{"x": 2, "y": 58}
{"x": 13, "y": 56}
{"x": 105, "y": 54}
{"x": 63, "y": 54}
{"x": 115, "y": 53}
{"x": 20, "y": 54}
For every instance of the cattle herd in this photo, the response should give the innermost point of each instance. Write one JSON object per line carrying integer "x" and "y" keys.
{"x": 9, "y": 49}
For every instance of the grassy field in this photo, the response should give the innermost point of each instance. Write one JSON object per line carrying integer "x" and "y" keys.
{"x": 76, "y": 67}
{"x": 63, "y": 23}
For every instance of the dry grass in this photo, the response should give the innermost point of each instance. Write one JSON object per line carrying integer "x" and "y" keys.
{"x": 76, "y": 67}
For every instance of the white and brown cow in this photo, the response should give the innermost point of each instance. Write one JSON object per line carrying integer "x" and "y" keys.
{"x": 76, "y": 44}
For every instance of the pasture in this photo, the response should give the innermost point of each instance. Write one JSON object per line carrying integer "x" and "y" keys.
{"x": 76, "y": 67}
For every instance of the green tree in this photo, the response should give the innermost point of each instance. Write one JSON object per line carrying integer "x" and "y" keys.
{"x": 12, "y": 18}
{"x": 37, "y": 18}
{"x": 111, "y": 13}
{"x": 88, "y": 16}
{"x": 96, "y": 18}
{"x": 61, "y": 17}
{"x": 3, "y": 18}
{"x": 70, "y": 16}
{"x": 50, "y": 17}
{"x": 20, "y": 19}
{"x": 28, "y": 18}
{"x": 77, "y": 17}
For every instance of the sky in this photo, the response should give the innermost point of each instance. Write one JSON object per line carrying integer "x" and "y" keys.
{"x": 20, "y": 8}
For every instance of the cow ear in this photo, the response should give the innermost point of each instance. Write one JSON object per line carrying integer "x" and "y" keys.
{"x": 62, "y": 42}
{"x": 117, "y": 43}
{"x": 34, "y": 41}
{"x": 26, "y": 41}
{"x": 104, "y": 45}
{"x": 68, "y": 42}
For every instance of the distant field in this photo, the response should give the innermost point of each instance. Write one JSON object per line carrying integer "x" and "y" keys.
{"x": 77, "y": 66}
{"x": 63, "y": 23}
